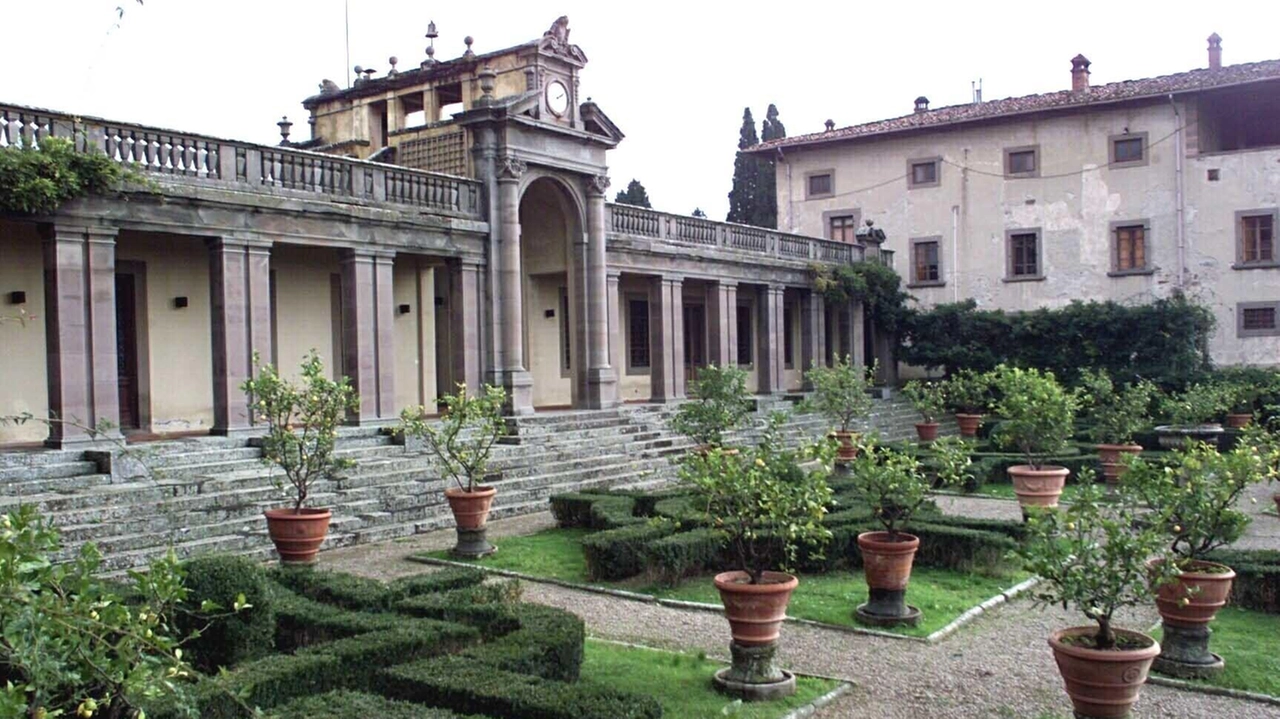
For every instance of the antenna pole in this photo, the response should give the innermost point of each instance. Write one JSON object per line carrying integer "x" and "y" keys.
{"x": 346, "y": 22}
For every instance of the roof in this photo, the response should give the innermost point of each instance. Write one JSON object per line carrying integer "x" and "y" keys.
{"x": 1116, "y": 92}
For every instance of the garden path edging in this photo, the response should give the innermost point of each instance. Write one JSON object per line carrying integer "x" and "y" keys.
{"x": 1213, "y": 690}
{"x": 968, "y": 616}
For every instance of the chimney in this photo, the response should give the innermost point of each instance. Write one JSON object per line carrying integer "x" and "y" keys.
{"x": 830, "y": 125}
{"x": 1079, "y": 73}
{"x": 1215, "y": 52}
{"x": 922, "y": 104}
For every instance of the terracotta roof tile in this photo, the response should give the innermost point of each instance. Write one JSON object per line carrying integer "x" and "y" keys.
{"x": 1193, "y": 80}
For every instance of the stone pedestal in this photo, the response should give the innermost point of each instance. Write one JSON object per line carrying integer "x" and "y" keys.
{"x": 888, "y": 608}
{"x": 472, "y": 544}
{"x": 1184, "y": 653}
{"x": 753, "y": 675}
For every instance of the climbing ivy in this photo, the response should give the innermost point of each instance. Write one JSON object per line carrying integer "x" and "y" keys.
{"x": 36, "y": 180}
{"x": 875, "y": 285}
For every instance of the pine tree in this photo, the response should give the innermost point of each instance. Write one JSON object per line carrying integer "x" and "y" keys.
{"x": 746, "y": 174}
{"x": 634, "y": 195}
{"x": 766, "y": 214}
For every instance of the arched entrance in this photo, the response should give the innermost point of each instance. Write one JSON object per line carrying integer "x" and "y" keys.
{"x": 551, "y": 232}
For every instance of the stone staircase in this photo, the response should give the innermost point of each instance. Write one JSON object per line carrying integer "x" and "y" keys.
{"x": 206, "y": 494}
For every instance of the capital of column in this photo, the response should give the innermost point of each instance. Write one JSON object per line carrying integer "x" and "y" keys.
{"x": 366, "y": 254}
{"x": 598, "y": 185}
{"x": 241, "y": 242}
{"x": 510, "y": 168}
{"x": 79, "y": 233}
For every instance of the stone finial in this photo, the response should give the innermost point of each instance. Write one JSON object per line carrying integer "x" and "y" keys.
{"x": 488, "y": 79}
{"x": 830, "y": 125}
{"x": 1215, "y": 52}
{"x": 1080, "y": 73}
{"x": 469, "y": 54}
{"x": 393, "y": 71}
{"x": 432, "y": 34}
{"x": 285, "y": 128}
{"x": 359, "y": 74}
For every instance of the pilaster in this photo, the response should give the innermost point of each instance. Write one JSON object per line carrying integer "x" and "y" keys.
{"x": 509, "y": 352}
{"x": 666, "y": 338}
{"x": 367, "y": 334}
{"x": 856, "y": 333}
{"x": 240, "y": 301}
{"x": 812, "y": 332}
{"x": 770, "y": 322}
{"x": 722, "y": 322}
{"x": 465, "y": 324}
{"x": 602, "y": 379}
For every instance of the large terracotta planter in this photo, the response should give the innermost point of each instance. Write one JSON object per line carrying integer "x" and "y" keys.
{"x": 1102, "y": 684}
{"x": 470, "y": 509}
{"x": 1112, "y": 458}
{"x": 755, "y": 611}
{"x": 969, "y": 424}
{"x": 848, "y": 450}
{"x": 1173, "y": 436}
{"x": 887, "y": 562}
{"x": 1239, "y": 421}
{"x": 1194, "y": 598}
{"x": 1038, "y": 487}
{"x": 927, "y": 431}
{"x": 297, "y": 535}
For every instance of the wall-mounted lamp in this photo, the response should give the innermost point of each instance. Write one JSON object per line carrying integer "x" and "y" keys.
{"x": 17, "y": 297}
{"x": 180, "y": 302}
{"x": 404, "y": 309}
{"x": 549, "y": 314}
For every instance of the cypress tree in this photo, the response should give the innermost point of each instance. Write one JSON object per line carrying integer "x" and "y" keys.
{"x": 746, "y": 174}
{"x": 634, "y": 195}
{"x": 767, "y": 200}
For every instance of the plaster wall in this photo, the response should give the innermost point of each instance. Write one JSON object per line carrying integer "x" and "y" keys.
{"x": 749, "y": 301}
{"x": 23, "y": 370}
{"x": 634, "y": 384}
{"x": 1074, "y": 201}
{"x": 176, "y": 374}
{"x": 413, "y": 284}
{"x": 793, "y": 374}
{"x": 551, "y": 381}
{"x": 304, "y": 308}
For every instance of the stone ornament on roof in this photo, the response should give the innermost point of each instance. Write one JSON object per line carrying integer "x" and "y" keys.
{"x": 556, "y": 40}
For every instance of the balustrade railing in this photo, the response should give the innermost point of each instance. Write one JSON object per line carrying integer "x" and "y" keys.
{"x": 205, "y": 159}
{"x": 679, "y": 229}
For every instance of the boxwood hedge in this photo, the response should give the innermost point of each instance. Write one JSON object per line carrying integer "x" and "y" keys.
{"x": 226, "y": 638}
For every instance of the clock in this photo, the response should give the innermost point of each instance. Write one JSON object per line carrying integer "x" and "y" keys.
{"x": 557, "y": 98}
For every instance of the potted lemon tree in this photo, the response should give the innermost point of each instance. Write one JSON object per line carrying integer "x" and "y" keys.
{"x": 1115, "y": 415}
{"x": 968, "y": 395}
{"x": 720, "y": 404}
{"x": 759, "y": 500}
{"x": 302, "y": 422}
{"x": 930, "y": 400}
{"x": 1037, "y": 417}
{"x": 840, "y": 393}
{"x": 462, "y": 440}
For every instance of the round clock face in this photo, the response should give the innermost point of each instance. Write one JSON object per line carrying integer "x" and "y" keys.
{"x": 557, "y": 97}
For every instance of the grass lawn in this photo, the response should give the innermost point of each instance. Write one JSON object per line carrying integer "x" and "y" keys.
{"x": 682, "y": 682}
{"x": 1246, "y": 640}
{"x": 941, "y": 595}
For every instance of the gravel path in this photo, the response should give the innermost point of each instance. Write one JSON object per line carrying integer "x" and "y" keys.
{"x": 998, "y": 667}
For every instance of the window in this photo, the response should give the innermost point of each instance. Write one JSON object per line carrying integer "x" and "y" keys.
{"x": 1256, "y": 238}
{"x": 1024, "y": 255}
{"x": 926, "y": 261}
{"x": 745, "y": 343}
{"x": 842, "y": 228}
{"x": 637, "y": 334}
{"x": 1128, "y": 150}
{"x": 819, "y": 184}
{"x": 566, "y": 348}
{"x": 1022, "y": 161}
{"x": 1130, "y": 242}
{"x": 788, "y": 342}
{"x": 1258, "y": 319}
{"x": 924, "y": 173}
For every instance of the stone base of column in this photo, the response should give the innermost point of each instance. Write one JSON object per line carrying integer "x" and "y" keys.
{"x": 108, "y": 440}
{"x": 519, "y": 387}
{"x": 602, "y": 388}
{"x": 754, "y": 676}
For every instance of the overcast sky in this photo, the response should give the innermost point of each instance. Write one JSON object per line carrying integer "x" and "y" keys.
{"x": 674, "y": 76}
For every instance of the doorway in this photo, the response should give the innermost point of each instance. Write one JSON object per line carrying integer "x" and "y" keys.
{"x": 127, "y": 349}
{"x": 695, "y": 334}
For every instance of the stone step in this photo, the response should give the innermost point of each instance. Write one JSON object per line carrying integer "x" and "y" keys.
{"x": 49, "y": 470}
{"x": 54, "y": 485}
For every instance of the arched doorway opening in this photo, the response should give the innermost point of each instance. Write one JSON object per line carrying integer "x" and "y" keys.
{"x": 550, "y": 234}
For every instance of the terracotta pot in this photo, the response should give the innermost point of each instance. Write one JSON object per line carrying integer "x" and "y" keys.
{"x": 1038, "y": 487}
{"x": 297, "y": 536}
{"x": 470, "y": 509}
{"x": 755, "y": 611}
{"x": 887, "y": 562}
{"x": 1239, "y": 421}
{"x": 1103, "y": 684}
{"x": 928, "y": 431}
{"x": 1111, "y": 455}
{"x": 969, "y": 424}
{"x": 848, "y": 450}
{"x": 1205, "y": 593}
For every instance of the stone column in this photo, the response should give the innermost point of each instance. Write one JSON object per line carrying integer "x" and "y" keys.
{"x": 240, "y": 298}
{"x": 770, "y": 324}
{"x": 464, "y": 324}
{"x": 367, "y": 335}
{"x": 616, "y": 345}
{"x": 512, "y": 374}
{"x": 80, "y": 331}
{"x": 602, "y": 379}
{"x": 812, "y": 332}
{"x": 855, "y": 331}
{"x": 722, "y": 322}
{"x": 666, "y": 338}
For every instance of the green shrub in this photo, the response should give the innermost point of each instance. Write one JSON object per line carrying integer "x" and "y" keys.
{"x": 440, "y": 581}
{"x": 36, "y": 180}
{"x": 547, "y": 643}
{"x": 684, "y": 510}
{"x": 464, "y": 685}
{"x": 719, "y": 402}
{"x": 573, "y": 509}
{"x": 301, "y": 621}
{"x": 414, "y": 639}
{"x": 338, "y": 588}
{"x": 671, "y": 559}
{"x": 1257, "y": 583}
{"x": 486, "y": 607}
{"x": 614, "y": 512}
{"x": 225, "y": 640}
{"x": 269, "y": 682}
{"x": 620, "y": 553}
{"x": 357, "y": 705}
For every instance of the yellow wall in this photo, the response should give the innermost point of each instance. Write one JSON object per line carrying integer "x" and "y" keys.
{"x": 415, "y": 333}
{"x": 23, "y": 373}
{"x": 304, "y": 302}
{"x": 178, "y": 344}
{"x": 639, "y": 386}
{"x": 551, "y": 385}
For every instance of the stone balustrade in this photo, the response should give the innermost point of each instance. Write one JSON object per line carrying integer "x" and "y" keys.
{"x": 680, "y": 229}
{"x": 195, "y": 158}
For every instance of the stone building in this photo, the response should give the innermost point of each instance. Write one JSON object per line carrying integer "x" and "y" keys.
{"x": 1127, "y": 191}
{"x": 445, "y": 223}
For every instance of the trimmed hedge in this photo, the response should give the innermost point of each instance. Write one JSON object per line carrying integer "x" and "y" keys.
{"x": 269, "y": 682}
{"x": 594, "y": 510}
{"x": 620, "y": 553}
{"x": 672, "y": 558}
{"x": 464, "y": 685}
{"x": 441, "y": 581}
{"x": 301, "y": 622}
{"x": 548, "y": 643}
{"x": 344, "y": 590}
{"x": 1257, "y": 583}
{"x": 358, "y": 705}
{"x": 573, "y": 509}
{"x": 225, "y": 638}
{"x": 682, "y": 510}
{"x": 483, "y": 606}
